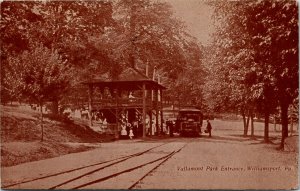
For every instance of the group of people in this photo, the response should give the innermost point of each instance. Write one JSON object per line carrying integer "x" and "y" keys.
{"x": 129, "y": 130}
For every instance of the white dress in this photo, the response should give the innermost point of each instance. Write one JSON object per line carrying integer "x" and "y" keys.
{"x": 131, "y": 133}
{"x": 123, "y": 131}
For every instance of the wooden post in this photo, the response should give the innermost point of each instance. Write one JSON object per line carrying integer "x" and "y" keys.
{"x": 144, "y": 110}
{"x": 156, "y": 111}
{"x": 153, "y": 78}
{"x": 147, "y": 69}
{"x": 161, "y": 111}
{"x": 117, "y": 115}
{"x": 90, "y": 104}
{"x": 150, "y": 122}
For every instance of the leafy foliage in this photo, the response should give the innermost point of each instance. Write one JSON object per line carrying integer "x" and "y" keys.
{"x": 39, "y": 74}
{"x": 101, "y": 37}
{"x": 69, "y": 28}
{"x": 255, "y": 45}
{"x": 256, "y": 55}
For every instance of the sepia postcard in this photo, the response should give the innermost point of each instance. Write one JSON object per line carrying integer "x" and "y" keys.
{"x": 150, "y": 94}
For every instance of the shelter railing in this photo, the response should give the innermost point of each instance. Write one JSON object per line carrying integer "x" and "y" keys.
{"x": 126, "y": 102}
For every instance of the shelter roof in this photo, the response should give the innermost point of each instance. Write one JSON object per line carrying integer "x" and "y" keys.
{"x": 129, "y": 79}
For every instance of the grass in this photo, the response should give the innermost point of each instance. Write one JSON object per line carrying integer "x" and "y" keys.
{"x": 21, "y": 136}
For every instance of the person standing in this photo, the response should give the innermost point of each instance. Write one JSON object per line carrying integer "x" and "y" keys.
{"x": 123, "y": 131}
{"x": 170, "y": 127}
{"x": 128, "y": 127}
{"x": 135, "y": 127}
{"x": 131, "y": 133}
{"x": 209, "y": 127}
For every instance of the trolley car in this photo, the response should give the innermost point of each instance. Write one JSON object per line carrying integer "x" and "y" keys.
{"x": 189, "y": 122}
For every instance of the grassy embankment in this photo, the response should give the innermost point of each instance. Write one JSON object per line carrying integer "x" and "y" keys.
{"x": 21, "y": 136}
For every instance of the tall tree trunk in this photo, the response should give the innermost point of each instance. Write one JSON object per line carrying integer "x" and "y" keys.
{"x": 292, "y": 121}
{"x": 42, "y": 126}
{"x": 292, "y": 126}
{"x": 266, "y": 131}
{"x": 252, "y": 125}
{"x": 244, "y": 122}
{"x": 247, "y": 124}
{"x": 284, "y": 121}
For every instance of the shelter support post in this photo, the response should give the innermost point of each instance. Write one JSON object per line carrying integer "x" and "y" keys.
{"x": 117, "y": 116}
{"x": 144, "y": 110}
{"x": 161, "y": 111}
{"x": 156, "y": 112}
{"x": 90, "y": 104}
{"x": 150, "y": 121}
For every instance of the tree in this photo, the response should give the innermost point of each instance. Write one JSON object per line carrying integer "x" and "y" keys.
{"x": 147, "y": 33}
{"x": 273, "y": 26}
{"x": 279, "y": 21}
{"x": 188, "y": 86}
{"x": 228, "y": 64}
{"x": 39, "y": 75}
{"x": 268, "y": 30}
{"x": 72, "y": 28}
{"x": 105, "y": 37}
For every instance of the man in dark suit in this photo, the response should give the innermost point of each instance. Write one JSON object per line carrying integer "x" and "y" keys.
{"x": 209, "y": 127}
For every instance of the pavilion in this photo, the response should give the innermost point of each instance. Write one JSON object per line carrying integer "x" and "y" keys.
{"x": 116, "y": 96}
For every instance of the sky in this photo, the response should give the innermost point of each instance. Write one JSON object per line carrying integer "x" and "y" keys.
{"x": 197, "y": 16}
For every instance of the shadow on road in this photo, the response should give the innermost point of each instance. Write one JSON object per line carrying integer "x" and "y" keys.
{"x": 258, "y": 138}
{"x": 204, "y": 138}
{"x": 230, "y": 138}
{"x": 223, "y": 138}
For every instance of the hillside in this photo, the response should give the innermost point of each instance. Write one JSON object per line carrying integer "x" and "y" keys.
{"x": 21, "y": 136}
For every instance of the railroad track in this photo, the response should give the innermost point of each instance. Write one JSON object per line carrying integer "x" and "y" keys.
{"x": 120, "y": 173}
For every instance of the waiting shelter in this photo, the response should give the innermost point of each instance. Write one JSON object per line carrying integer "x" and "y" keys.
{"x": 130, "y": 94}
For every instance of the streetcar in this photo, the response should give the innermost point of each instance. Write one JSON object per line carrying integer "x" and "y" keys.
{"x": 189, "y": 122}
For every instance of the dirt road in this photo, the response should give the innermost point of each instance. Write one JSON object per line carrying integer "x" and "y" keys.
{"x": 225, "y": 161}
